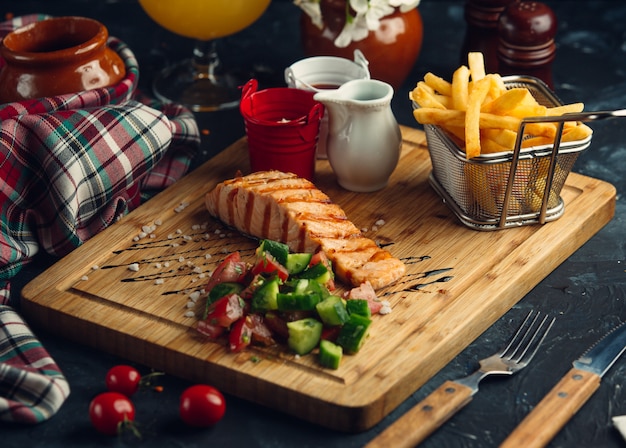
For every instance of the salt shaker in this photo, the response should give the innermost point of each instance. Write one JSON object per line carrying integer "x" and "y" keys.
{"x": 481, "y": 17}
{"x": 526, "y": 32}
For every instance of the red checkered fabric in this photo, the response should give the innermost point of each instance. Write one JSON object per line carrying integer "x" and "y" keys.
{"x": 70, "y": 166}
{"x": 73, "y": 164}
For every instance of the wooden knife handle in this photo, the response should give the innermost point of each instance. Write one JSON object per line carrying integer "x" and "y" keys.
{"x": 554, "y": 410}
{"x": 425, "y": 417}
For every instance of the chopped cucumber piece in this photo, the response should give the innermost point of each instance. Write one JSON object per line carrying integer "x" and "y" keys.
{"x": 332, "y": 311}
{"x": 354, "y": 332}
{"x": 324, "y": 278}
{"x": 330, "y": 354}
{"x": 304, "y": 335}
{"x": 293, "y": 301}
{"x": 264, "y": 298}
{"x": 358, "y": 306}
{"x": 297, "y": 262}
{"x": 314, "y": 271}
{"x": 278, "y": 250}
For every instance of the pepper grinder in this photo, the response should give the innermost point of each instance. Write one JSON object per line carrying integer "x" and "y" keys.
{"x": 481, "y": 17}
{"x": 526, "y": 32}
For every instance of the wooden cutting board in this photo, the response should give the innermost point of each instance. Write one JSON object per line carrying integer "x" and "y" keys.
{"x": 458, "y": 282}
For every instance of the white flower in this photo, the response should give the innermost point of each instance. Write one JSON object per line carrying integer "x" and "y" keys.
{"x": 366, "y": 17}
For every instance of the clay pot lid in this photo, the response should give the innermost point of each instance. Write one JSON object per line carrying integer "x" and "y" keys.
{"x": 527, "y": 24}
{"x": 53, "y": 38}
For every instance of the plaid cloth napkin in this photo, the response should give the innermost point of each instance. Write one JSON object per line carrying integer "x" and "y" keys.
{"x": 70, "y": 166}
{"x": 32, "y": 387}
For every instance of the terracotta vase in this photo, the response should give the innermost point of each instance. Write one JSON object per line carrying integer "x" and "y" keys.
{"x": 392, "y": 50}
{"x": 55, "y": 57}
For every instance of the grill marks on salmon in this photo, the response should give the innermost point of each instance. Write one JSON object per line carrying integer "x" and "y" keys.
{"x": 284, "y": 207}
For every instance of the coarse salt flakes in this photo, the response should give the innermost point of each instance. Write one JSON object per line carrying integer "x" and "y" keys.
{"x": 194, "y": 296}
{"x": 191, "y": 304}
{"x": 374, "y": 228}
{"x": 159, "y": 281}
{"x": 386, "y": 307}
{"x": 84, "y": 278}
{"x": 190, "y": 314}
{"x": 195, "y": 227}
{"x": 207, "y": 256}
{"x": 158, "y": 222}
{"x": 133, "y": 267}
{"x": 380, "y": 222}
{"x": 197, "y": 270}
{"x": 181, "y": 259}
{"x": 166, "y": 264}
{"x": 178, "y": 231}
{"x": 95, "y": 267}
{"x": 142, "y": 235}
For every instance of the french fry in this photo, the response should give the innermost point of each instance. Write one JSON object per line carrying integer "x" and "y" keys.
{"x": 565, "y": 109}
{"x": 438, "y": 84}
{"x": 505, "y": 138}
{"x": 477, "y": 109}
{"x": 425, "y": 96}
{"x": 476, "y": 63}
{"x": 472, "y": 117}
{"x": 460, "y": 88}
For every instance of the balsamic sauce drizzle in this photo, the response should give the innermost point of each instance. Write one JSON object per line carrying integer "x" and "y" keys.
{"x": 219, "y": 247}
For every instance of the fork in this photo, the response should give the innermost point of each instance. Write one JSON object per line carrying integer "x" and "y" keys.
{"x": 434, "y": 410}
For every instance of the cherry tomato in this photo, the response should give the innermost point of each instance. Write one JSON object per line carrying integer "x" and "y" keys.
{"x": 111, "y": 412}
{"x": 123, "y": 379}
{"x": 202, "y": 406}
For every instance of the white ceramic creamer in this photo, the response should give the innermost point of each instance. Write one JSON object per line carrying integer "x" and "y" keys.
{"x": 319, "y": 73}
{"x": 364, "y": 139}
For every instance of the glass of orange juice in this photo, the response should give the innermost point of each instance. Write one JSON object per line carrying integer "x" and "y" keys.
{"x": 201, "y": 83}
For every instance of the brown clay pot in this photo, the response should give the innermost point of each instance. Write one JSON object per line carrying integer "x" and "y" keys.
{"x": 392, "y": 50}
{"x": 55, "y": 57}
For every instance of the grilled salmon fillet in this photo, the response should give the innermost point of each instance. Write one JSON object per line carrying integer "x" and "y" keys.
{"x": 286, "y": 208}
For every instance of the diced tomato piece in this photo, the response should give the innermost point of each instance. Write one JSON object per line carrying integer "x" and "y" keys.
{"x": 240, "y": 335}
{"x": 330, "y": 333}
{"x": 321, "y": 257}
{"x": 210, "y": 330}
{"x": 231, "y": 269}
{"x": 277, "y": 325}
{"x": 255, "y": 284}
{"x": 226, "y": 310}
{"x": 267, "y": 264}
{"x": 261, "y": 334}
{"x": 365, "y": 292}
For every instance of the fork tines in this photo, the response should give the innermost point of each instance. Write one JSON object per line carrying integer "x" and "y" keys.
{"x": 526, "y": 341}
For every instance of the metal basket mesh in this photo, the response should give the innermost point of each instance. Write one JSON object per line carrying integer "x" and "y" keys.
{"x": 475, "y": 189}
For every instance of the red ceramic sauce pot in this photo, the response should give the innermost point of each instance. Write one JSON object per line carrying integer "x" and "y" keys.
{"x": 57, "y": 56}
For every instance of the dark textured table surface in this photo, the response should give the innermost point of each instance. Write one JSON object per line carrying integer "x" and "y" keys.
{"x": 586, "y": 293}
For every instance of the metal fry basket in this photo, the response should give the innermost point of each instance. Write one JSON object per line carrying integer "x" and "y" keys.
{"x": 507, "y": 189}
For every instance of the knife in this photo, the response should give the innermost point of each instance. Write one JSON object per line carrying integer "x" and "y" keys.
{"x": 571, "y": 392}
